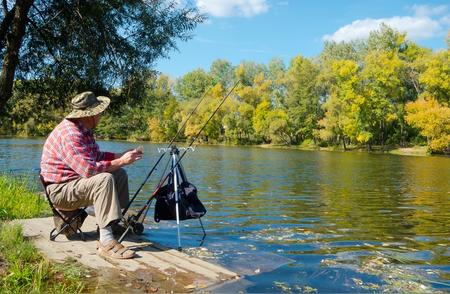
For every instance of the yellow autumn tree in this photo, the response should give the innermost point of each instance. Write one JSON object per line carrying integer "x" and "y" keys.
{"x": 436, "y": 77}
{"x": 343, "y": 108}
{"x": 212, "y": 131}
{"x": 433, "y": 121}
{"x": 156, "y": 131}
{"x": 260, "y": 120}
{"x": 383, "y": 92}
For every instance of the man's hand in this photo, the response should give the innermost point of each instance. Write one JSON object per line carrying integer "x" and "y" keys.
{"x": 139, "y": 149}
{"x": 130, "y": 156}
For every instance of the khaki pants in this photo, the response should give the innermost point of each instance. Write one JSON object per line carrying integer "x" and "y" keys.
{"x": 107, "y": 191}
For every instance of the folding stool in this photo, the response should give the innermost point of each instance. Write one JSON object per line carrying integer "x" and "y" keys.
{"x": 72, "y": 219}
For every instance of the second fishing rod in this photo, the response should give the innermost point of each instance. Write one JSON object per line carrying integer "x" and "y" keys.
{"x": 134, "y": 222}
{"x": 162, "y": 155}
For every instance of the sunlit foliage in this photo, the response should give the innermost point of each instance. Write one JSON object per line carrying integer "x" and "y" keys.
{"x": 376, "y": 93}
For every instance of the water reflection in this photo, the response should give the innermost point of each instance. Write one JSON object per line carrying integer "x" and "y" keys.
{"x": 339, "y": 222}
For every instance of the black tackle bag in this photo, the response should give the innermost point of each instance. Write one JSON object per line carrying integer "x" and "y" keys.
{"x": 189, "y": 206}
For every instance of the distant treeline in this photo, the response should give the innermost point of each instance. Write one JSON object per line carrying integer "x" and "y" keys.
{"x": 384, "y": 91}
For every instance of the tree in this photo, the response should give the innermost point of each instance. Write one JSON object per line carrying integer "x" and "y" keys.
{"x": 156, "y": 131}
{"x": 222, "y": 71}
{"x": 261, "y": 122}
{"x": 213, "y": 130}
{"x": 261, "y": 89}
{"x": 13, "y": 28}
{"x": 237, "y": 121}
{"x": 433, "y": 121}
{"x": 279, "y": 127}
{"x": 171, "y": 119}
{"x": 302, "y": 99}
{"x": 247, "y": 71}
{"x": 276, "y": 71}
{"x": 383, "y": 92}
{"x": 436, "y": 77}
{"x": 193, "y": 84}
{"x": 386, "y": 39}
{"x": 333, "y": 51}
{"x": 343, "y": 108}
{"x": 158, "y": 94}
{"x": 88, "y": 44}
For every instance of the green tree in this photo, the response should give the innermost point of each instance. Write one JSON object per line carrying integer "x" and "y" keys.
{"x": 333, "y": 51}
{"x": 193, "y": 84}
{"x": 302, "y": 98}
{"x": 276, "y": 71}
{"x": 129, "y": 119}
{"x": 158, "y": 93}
{"x": 88, "y": 44}
{"x": 247, "y": 71}
{"x": 279, "y": 127}
{"x": 386, "y": 39}
{"x": 237, "y": 121}
{"x": 260, "y": 89}
{"x": 222, "y": 71}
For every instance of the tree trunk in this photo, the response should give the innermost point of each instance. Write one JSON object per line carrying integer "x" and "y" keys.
{"x": 402, "y": 139}
{"x": 5, "y": 25}
{"x": 14, "y": 42}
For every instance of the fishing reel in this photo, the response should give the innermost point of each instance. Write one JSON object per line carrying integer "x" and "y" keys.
{"x": 136, "y": 227}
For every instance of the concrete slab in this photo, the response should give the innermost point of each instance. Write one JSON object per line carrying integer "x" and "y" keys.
{"x": 173, "y": 271}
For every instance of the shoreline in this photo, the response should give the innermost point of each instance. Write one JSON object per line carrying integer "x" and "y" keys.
{"x": 417, "y": 150}
{"x": 405, "y": 151}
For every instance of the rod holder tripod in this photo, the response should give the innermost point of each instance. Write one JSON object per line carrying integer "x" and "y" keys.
{"x": 178, "y": 174}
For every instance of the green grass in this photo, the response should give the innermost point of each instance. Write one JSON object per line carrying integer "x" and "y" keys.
{"x": 22, "y": 267}
{"x": 17, "y": 201}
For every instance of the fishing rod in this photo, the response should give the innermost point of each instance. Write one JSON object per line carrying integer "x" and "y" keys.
{"x": 194, "y": 139}
{"x": 162, "y": 155}
{"x": 133, "y": 222}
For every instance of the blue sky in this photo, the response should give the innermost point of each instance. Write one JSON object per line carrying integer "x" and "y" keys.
{"x": 259, "y": 30}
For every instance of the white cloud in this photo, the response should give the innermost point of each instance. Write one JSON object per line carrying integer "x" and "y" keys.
{"x": 427, "y": 10}
{"x": 421, "y": 25}
{"x": 228, "y": 8}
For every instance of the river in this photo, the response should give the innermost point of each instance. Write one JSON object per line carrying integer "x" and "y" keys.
{"x": 302, "y": 221}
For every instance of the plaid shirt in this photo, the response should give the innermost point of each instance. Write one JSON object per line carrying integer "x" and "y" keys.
{"x": 70, "y": 152}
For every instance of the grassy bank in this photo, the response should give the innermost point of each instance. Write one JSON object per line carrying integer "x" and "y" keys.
{"x": 22, "y": 268}
{"x": 410, "y": 151}
{"x": 413, "y": 151}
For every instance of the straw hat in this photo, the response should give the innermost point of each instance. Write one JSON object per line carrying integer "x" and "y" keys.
{"x": 86, "y": 104}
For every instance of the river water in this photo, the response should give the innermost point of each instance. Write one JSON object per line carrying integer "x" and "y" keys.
{"x": 302, "y": 221}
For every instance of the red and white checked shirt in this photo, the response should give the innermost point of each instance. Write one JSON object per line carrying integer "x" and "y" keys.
{"x": 70, "y": 152}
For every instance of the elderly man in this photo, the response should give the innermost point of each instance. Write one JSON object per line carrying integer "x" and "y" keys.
{"x": 78, "y": 174}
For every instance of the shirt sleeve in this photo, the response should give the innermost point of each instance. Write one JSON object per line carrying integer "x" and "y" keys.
{"x": 79, "y": 158}
{"x": 105, "y": 156}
